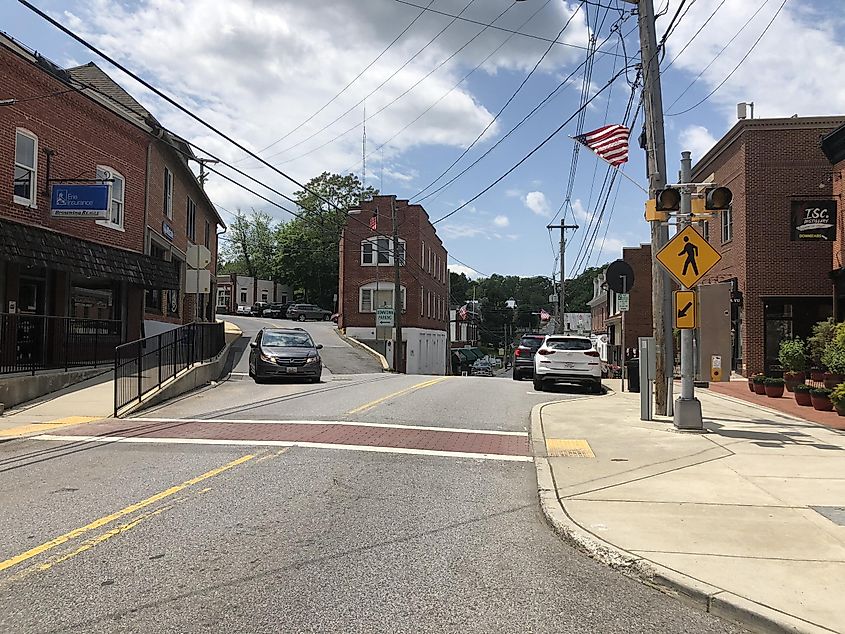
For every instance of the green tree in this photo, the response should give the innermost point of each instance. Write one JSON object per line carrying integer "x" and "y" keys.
{"x": 249, "y": 246}
{"x": 579, "y": 290}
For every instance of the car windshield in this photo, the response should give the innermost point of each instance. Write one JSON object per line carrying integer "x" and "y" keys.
{"x": 569, "y": 344}
{"x": 531, "y": 342}
{"x": 272, "y": 339}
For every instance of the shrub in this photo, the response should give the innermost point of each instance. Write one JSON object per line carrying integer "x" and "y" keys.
{"x": 833, "y": 357}
{"x": 771, "y": 382}
{"x": 759, "y": 379}
{"x": 803, "y": 388}
{"x": 820, "y": 391}
{"x": 837, "y": 395}
{"x": 792, "y": 355}
{"x": 823, "y": 333}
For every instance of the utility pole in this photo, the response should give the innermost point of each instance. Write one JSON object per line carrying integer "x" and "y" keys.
{"x": 398, "y": 357}
{"x": 561, "y": 296}
{"x": 203, "y": 175}
{"x": 661, "y": 299}
{"x": 687, "y": 413}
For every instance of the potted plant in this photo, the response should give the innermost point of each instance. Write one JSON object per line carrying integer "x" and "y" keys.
{"x": 793, "y": 357}
{"x": 759, "y": 383}
{"x": 837, "y": 397}
{"x": 802, "y": 394}
{"x": 820, "y": 398}
{"x": 833, "y": 359}
{"x": 823, "y": 333}
{"x": 774, "y": 387}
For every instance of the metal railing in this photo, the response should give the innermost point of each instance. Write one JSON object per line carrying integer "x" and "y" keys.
{"x": 32, "y": 343}
{"x": 143, "y": 365}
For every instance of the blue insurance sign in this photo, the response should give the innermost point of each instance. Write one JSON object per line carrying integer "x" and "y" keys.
{"x": 80, "y": 201}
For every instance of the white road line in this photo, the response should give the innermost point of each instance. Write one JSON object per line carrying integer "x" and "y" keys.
{"x": 285, "y": 443}
{"x": 326, "y": 422}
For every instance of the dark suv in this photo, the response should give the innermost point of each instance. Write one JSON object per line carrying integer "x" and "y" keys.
{"x": 301, "y": 312}
{"x": 523, "y": 355}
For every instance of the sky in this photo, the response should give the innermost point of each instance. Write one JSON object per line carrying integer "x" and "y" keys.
{"x": 291, "y": 81}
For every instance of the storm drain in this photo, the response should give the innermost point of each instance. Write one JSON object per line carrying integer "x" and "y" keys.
{"x": 835, "y": 514}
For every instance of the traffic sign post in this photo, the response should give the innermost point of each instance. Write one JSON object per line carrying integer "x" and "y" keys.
{"x": 685, "y": 309}
{"x": 384, "y": 317}
{"x": 623, "y": 302}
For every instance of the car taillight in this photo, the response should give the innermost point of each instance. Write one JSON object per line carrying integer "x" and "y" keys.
{"x": 517, "y": 353}
{"x": 592, "y": 353}
{"x": 545, "y": 351}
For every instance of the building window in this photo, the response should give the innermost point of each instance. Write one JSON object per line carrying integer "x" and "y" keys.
{"x": 26, "y": 168}
{"x": 428, "y": 305}
{"x": 192, "y": 220}
{"x": 154, "y": 300}
{"x": 117, "y": 190}
{"x": 378, "y": 250}
{"x": 243, "y": 296}
{"x": 224, "y": 296}
{"x": 705, "y": 230}
{"x": 422, "y": 302}
{"x": 264, "y": 296}
{"x": 727, "y": 224}
{"x": 168, "y": 193}
{"x": 378, "y": 295}
{"x": 207, "y": 234}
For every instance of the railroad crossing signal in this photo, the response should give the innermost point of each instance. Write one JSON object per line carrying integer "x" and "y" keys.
{"x": 688, "y": 257}
{"x": 686, "y": 310}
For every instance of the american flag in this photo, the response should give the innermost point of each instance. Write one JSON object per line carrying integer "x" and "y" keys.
{"x": 374, "y": 221}
{"x": 462, "y": 313}
{"x": 544, "y": 316}
{"x": 609, "y": 142}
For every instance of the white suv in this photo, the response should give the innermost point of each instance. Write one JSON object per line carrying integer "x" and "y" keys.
{"x": 568, "y": 360}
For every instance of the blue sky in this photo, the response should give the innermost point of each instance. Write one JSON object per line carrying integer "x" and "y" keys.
{"x": 258, "y": 69}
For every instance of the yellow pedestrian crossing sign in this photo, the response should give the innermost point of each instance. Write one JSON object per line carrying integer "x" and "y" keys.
{"x": 688, "y": 257}
{"x": 686, "y": 310}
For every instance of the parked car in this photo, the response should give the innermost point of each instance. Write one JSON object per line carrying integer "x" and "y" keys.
{"x": 243, "y": 310}
{"x": 287, "y": 352}
{"x": 301, "y": 312}
{"x": 482, "y": 367}
{"x": 258, "y": 308}
{"x": 276, "y": 310}
{"x": 567, "y": 359}
{"x": 523, "y": 355}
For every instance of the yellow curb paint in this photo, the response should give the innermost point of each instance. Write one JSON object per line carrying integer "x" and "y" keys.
{"x": 108, "y": 519}
{"x": 407, "y": 390}
{"x": 564, "y": 448}
{"x": 23, "y": 430}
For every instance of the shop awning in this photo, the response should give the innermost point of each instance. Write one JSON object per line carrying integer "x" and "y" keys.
{"x": 33, "y": 246}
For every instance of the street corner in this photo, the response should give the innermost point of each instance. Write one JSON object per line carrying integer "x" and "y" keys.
{"x": 14, "y": 429}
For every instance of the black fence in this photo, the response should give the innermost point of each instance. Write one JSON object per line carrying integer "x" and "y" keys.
{"x": 143, "y": 365}
{"x": 29, "y": 343}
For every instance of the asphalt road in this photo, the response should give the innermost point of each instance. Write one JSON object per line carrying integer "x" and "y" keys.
{"x": 415, "y": 512}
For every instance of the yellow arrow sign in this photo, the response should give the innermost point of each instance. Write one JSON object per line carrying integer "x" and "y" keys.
{"x": 686, "y": 309}
{"x": 688, "y": 257}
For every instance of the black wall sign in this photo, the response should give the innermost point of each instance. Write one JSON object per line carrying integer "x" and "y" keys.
{"x": 813, "y": 220}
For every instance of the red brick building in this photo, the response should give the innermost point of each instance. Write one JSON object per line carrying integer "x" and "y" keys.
{"x": 638, "y": 317}
{"x": 367, "y": 281}
{"x": 833, "y": 145}
{"x": 78, "y": 124}
{"x": 778, "y": 271}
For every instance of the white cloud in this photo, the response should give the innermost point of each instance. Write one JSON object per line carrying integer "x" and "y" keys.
{"x": 513, "y": 193}
{"x": 537, "y": 203}
{"x": 470, "y": 273}
{"x": 697, "y": 139}
{"x": 580, "y": 212}
{"x": 456, "y": 230}
{"x": 501, "y": 221}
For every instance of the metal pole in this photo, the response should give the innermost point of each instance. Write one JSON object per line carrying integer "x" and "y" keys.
{"x": 687, "y": 411}
{"x": 622, "y": 334}
{"x": 399, "y": 360}
{"x": 656, "y": 155}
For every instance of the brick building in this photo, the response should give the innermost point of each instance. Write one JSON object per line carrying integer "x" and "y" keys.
{"x": 76, "y": 123}
{"x": 778, "y": 270}
{"x": 833, "y": 146}
{"x": 367, "y": 282}
{"x": 638, "y": 317}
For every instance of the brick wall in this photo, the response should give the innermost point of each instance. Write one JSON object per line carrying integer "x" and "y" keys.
{"x": 838, "y": 193}
{"x": 638, "y": 320}
{"x": 419, "y": 271}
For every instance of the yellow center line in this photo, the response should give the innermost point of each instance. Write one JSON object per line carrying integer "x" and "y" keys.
{"x": 108, "y": 519}
{"x": 407, "y": 390}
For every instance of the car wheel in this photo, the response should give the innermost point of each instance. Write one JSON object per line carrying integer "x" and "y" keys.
{"x": 301, "y": 318}
{"x": 258, "y": 379}
{"x": 596, "y": 388}
{"x": 538, "y": 384}
{"x": 517, "y": 376}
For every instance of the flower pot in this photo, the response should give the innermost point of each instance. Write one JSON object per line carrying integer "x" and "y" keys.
{"x": 840, "y": 409}
{"x": 817, "y": 375}
{"x": 832, "y": 380}
{"x": 774, "y": 391}
{"x": 750, "y": 385}
{"x": 821, "y": 403}
{"x": 791, "y": 379}
{"x": 759, "y": 388}
{"x": 803, "y": 398}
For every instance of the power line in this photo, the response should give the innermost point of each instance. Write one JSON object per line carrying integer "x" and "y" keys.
{"x": 700, "y": 29}
{"x": 722, "y": 83}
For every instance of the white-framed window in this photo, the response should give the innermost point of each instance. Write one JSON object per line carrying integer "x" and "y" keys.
{"x": 428, "y": 305}
{"x": 264, "y": 295}
{"x": 422, "y": 301}
{"x": 191, "y": 212}
{"x": 422, "y": 254}
{"x": 224, "y": 296}
{"x": 168, "y": 193}
{"x": 26, "y": 168}
{"x": 727, "y": 224}
{"x": 378, "y": 250}
{"x": 117, "y": 192}
{"x": 243, "y": 296}
{"x": 705, "y": 230}
{"x": 207, "y": 234}
{"x": 378, "y": 295}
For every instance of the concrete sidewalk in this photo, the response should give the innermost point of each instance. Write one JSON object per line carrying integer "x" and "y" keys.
{"x": 747, "y": 520}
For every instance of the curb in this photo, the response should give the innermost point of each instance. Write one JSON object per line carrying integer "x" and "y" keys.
{"x": 700, "y": 594}
{"x": 385, "y": 366}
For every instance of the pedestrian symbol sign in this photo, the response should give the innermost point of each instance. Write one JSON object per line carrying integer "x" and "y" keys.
{"x": 688, "y": 257}
{"x": 686, "y": 310}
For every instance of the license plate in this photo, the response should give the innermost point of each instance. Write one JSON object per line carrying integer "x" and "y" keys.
{"x": 290, "y": 370}
{"x": 568, "y": 364}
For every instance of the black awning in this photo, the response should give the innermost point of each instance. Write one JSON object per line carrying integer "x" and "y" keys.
{"x": 32, "y": 246}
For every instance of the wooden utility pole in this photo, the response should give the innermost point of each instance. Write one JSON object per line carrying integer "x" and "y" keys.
{"x": 398, "y": 356}
{"x": 561, "y": 296}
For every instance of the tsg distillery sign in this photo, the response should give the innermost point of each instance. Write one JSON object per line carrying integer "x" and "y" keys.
{"x": 814, "y": 220}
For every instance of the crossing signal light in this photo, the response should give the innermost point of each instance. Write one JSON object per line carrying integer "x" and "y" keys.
{"x": 668, "y": 199}
{"x": 717, "y": 198}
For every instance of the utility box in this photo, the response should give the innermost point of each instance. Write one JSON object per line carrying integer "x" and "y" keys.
{"x": 714, "y": 339}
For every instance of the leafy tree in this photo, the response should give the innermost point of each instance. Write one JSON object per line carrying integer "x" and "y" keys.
{"x": 579, "y": 290}
{"x": 249, "y": 247}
